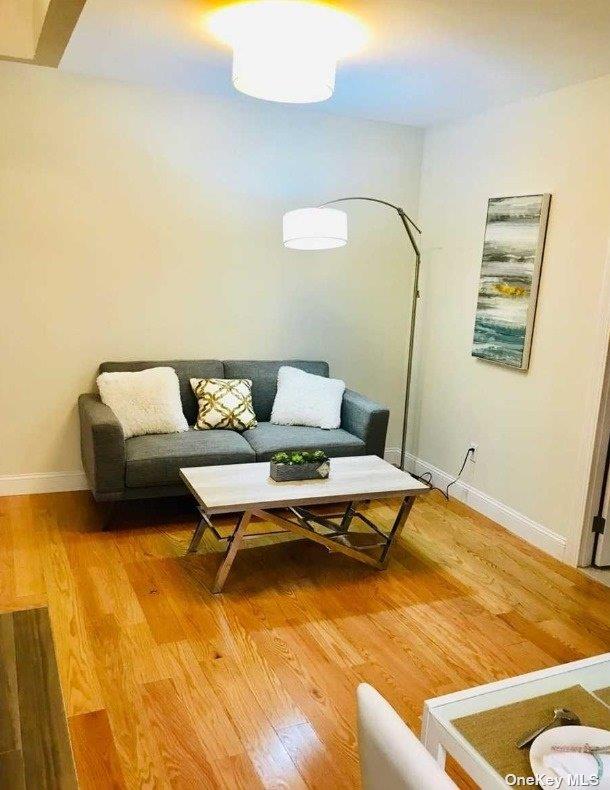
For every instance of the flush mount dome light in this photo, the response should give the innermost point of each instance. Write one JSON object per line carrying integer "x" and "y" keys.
{"x": 315, "y": 228}
{"x": 286, "y": 50}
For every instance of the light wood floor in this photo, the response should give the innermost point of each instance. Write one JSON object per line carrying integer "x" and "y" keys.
{"x": 166, "y": 685}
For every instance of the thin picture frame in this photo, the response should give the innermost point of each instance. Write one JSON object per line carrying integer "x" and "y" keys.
{"x": 514, "y": 357}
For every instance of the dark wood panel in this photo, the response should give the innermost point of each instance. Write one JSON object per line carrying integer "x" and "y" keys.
{"x": 12, "y": 775}
{"x": 35, "y": 730}
{"x": 10, "y": 738}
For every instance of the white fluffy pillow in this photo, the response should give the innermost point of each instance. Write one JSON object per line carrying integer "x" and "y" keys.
{"x": 305, "y": 399}
{"x": 147, "y": 401}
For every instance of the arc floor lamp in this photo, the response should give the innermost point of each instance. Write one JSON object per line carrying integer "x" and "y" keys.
{"x": 324, "y": 228}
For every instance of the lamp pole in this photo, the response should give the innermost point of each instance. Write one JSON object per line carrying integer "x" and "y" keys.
{"x": 409, "y": 226}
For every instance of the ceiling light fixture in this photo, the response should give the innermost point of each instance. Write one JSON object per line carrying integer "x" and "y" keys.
{"x": 286, "y": 50}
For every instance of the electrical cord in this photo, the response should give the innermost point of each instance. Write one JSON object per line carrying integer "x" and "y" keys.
{"x": 466, "y": 457}
{"x": 426, "y": 477}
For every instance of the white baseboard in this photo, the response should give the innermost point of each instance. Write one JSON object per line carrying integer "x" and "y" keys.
{"x": 517, "y": 523}
{"x": 392, "y": 455}
{"x": 42, "y": 483}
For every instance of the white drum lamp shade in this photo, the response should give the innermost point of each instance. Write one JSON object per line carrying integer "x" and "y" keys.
{"x": 315, "y": 229}
{"x": 286, "y": 51}
{"x": 285, "y": 74}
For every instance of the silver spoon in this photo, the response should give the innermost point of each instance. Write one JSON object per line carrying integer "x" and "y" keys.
{"x": 561, "y": 717}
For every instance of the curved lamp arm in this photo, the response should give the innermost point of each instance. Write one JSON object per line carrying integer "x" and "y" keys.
{"x": 400, "y": 210}
{"x": 408, "y": 225}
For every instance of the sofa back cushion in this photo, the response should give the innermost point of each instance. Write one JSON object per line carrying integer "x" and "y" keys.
{"x": 186, "y": 369}
{"x": 263, "y": 374}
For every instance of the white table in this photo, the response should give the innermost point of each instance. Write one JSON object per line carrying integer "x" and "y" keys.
{"x": 247, "y": 489}
{"x": 440, "y": 737}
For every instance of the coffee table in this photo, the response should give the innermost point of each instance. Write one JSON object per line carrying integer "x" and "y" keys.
{"x": 248, "y": 490}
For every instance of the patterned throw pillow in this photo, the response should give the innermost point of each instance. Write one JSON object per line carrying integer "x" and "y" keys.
{"x": 224, "y": 403}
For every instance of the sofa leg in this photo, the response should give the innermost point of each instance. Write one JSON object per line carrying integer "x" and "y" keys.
{"x": 109, "y": 515}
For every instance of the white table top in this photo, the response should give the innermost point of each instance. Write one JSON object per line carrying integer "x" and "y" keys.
{"x": 439, "y": 713}
{"x": 235, "y": 487}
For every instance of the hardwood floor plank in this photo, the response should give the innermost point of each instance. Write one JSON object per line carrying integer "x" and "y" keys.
{"x": 26, "y": 530}
{"x": 575, "y": 635}
{"x": 201, "y": 704}
{"x": 68, "y": 618}
{"x": 122, "y": 695}
{"x": 161, "y": 617}
{"x": 327, "y": 697}
{"x": 551, "y": 643}
{"x": 312, "y": 758}
{"x": 337, "y": 649}
{"x": 116, "y": 593}
{"x": 236, "y": 773}
{"x": 184, "y": 755}
{"x": 263, "y": 680}
{"x": 8, "y": 592}
{"x": 96, "y": 757}
{"x": 266, "y": 752}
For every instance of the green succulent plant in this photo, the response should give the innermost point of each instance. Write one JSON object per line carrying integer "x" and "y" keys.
{"x": 300, "y": 457}
{"x": 281, "y": 458}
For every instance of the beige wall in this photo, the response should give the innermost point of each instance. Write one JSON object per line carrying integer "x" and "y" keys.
{"x": 136, "y": 224}
{"x": 18, "y": 36}
{"x": 529, "y": 426}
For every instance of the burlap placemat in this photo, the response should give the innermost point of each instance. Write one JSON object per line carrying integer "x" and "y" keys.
{"x": 603, "y": 694}
{"x": 494, "y": 733}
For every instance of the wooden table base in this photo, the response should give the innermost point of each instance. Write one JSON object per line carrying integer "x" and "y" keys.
{"x": 336, "y": 538}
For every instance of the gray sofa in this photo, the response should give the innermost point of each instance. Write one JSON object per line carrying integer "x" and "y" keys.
{"x": 148, "y": 466}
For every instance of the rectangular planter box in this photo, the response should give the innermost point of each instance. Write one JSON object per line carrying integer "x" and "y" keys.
{"x": 282, "y": 473}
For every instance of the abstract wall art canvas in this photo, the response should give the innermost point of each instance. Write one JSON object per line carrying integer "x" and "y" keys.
{"x": 510, "y": 272}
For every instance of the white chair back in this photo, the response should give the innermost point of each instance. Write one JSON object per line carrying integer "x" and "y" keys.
{"x": 391, "y": 756}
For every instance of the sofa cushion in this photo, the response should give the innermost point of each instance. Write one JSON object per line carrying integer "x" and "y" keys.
{"x": 156, "y": 459}
{"x": 267, "y": 439}
{"x": 224, "y": 403}
{"x": 145, "y": 401}
{"x": 263, "y": 374}
{"x": 186, "y": 369}
{"x": 305, "y": 399}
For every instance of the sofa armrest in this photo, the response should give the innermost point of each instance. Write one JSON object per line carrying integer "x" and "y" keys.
{"x": 102, "y": 447}
{"x": 365, "y": 419}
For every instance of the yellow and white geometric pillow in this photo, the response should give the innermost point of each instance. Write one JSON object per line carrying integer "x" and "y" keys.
{"x": 224, "y": 403}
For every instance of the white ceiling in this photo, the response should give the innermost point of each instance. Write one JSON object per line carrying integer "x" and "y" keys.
{"x": 427, "y": 61}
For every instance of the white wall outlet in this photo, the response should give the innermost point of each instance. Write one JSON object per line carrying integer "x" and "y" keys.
{"x": 473, "y": 455}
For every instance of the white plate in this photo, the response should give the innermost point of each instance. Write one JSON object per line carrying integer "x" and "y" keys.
{"x": 563, "y": 736}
